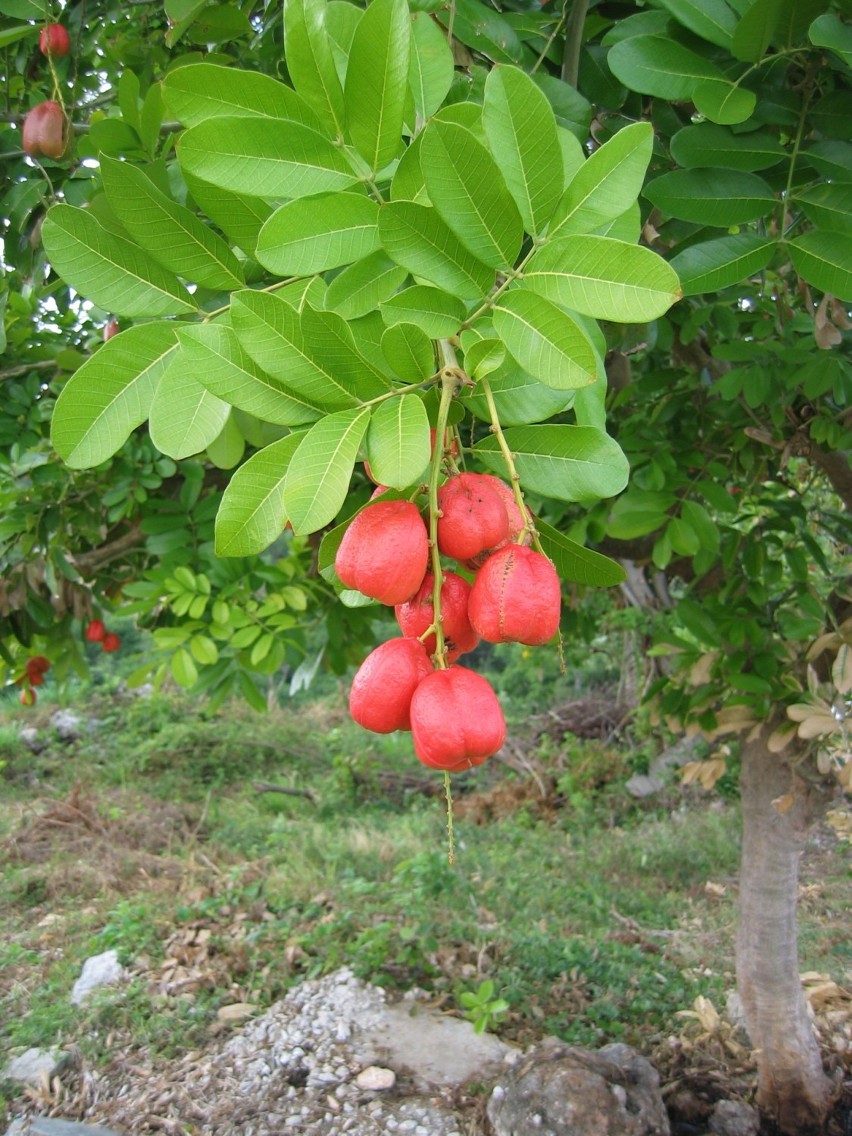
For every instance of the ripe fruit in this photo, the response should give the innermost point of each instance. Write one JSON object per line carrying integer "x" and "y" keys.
{"x": 111, "y": 329}
{"x": 384, "y": 552}
{"x": 37, "y": 665}
{"x": 27, "y": 697}
{"x": 380, "y": 698}
{"x": 96, "y": 631}
{"x": 474, "y": 516}
{"x": 516, "y": 597}
{"x": 456, "y": 720}
{"x": 44, "y": 131}
{"x": 111, "y": 641}
{"x": 55, "y": 41}
{"x": 418, "y": 614}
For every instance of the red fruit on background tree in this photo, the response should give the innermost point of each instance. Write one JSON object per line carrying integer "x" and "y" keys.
{"x": 111, "y": 641}
{"x": 38, "y": 665}
{"x": 27, "y": 697}
{"x": 384, "y": 552}
{"x": 473, "y": 516}
{"x": 111, "y": 329}
{"x": 54, "y": 41}
{"x": 516, "y": 597}
{"x": 95, "y": 631}
{"x": 416, "y": 615}
{"x": 456, "y": 720}
{"x": 380, "y": 698}
{"x": 44, "y": 131}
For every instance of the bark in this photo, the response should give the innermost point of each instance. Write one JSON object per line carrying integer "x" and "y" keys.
{"x": 793, "y": 1090}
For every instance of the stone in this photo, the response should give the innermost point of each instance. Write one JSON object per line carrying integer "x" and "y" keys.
{"x": 31, "y": 1066}
{"x": 67, "y": 725}
{"x": 52, "y": 1126}
{"x": 376, "y": 1078}
{"x": 99, "y": 970}
{"x": 657, "y": 777}
{"x": 558, "y": 1090}
{"x": 734, "y": 1118}
{"x": 32, "y": 739}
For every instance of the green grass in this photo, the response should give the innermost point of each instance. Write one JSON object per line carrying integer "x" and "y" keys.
{"x": 593, "y": 921}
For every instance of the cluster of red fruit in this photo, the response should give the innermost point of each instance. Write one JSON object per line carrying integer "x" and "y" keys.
{"x": 34, "y": 671}
{"x": 453, "y": 713}
{"x": 97, "y": 633}
{"x": 45, "y": 132}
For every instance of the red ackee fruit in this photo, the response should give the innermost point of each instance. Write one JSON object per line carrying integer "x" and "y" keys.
{"x": 515, "y": 517}
{"x": 516, "y": 597}
{"x": 43, "y": 134}
{"x": 111, "y": 641}
{"x": 416, "y": 615}
{"x": 473, "y": 516}
{"x": 380, "y": 698}
{"x": 27, "y": 697}
{"x": 38, "y": 665}
{"x": 96, "y": 631}
{"x": 111, "y": 329}
{"x": 384, "y": 552}
{"x": 456, "y": 720}
{"x": 55, "y": 41}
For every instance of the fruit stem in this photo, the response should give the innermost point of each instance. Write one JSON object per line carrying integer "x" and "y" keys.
{"x": 451, "y": 838}
{"x": 509, "y": 458}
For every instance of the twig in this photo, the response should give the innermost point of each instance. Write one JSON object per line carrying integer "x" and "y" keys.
{"x": 266, "y": 787}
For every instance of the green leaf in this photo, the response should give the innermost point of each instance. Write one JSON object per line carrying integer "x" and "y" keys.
{"x": 713, "y": 265}
{"x": 521, "y": 131}
{"x": 332, "y": 344}
{"x": 484, "y": 357}
{"x": 314, "y": 234}
{"x": 111, "y": 394}
{"x": 183, "y": 668}
{"x": 544, "y": 340}
{"x": 310, "y": 61}
{"x": 830, "y": 31}
{"x": 254, "y": 157}
{"x": 430, "y": 70}
{"x": 568, "y": 463}
{"x": 577, "y": 564}
{"x": 320, "y": 470}
{"x": 13, "y": 34}
{"x": 363, "y": 286}
{"x": 607, "y": 184}
{"x": 833, "y": 159}
{"x": 637, "y": 513}
{"x": 467, "y": 189}
{"x": 200, "y": 91}
{"x": 226, "y": 451}
{"x": 409, "y": 351}
{"x": 169, "y": 232}
{"x": 185, "y": 417}
{"x": 828, "y": 206}
{"x": 487, "y": 32}
{"x": 377, "y": 82}
{"x": 603, "y": 278}
{"x": 724, "y": 102}
{"x": 223, "y": 365}
{"x": 431, "y": 309}
{"x": 109, "y": 270}
{"x": 251, "y": 514}
{"x": 711, "y": 197}
{"x": 271, "y": 332}
{"x": 710, "y": 145}
{"x": 416, "y": 237}
{"x": 824, "y": 259}
{"x": 698, "y": 519}
{"x": 218, "y": 23}
{"x": 658, "y": 65}
{"x": 712, "y": 20}
{"x": 240, "y": 218}
{"x": 519, "y": 398}
{"x": 398, "y": 444}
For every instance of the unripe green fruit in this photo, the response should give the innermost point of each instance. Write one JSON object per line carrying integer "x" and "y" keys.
{"x": 383, "y": 686}
{"x": 384, "y": 552}
{"x": 418, "y": 613}
{"x": 516, "y": 597}
{"x": 456, "y": 720}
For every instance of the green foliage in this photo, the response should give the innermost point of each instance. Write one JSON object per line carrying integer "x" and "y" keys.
{"x": 482, "y": 1008}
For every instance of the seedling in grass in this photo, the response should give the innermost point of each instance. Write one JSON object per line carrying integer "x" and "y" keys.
{"x": 482, "y": 1008}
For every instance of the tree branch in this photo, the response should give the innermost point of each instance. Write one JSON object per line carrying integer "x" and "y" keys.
{"x": 573, "y": 42}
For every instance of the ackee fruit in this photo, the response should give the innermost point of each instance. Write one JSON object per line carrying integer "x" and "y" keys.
{"x": 456, "y": 720}
{"x": 111, "y": 641}
{"x": 95, "y": 631}
{"x": 44, "y": 134}
{"x": 516, "y": 597}
{"x": 380, "y": 698}
{"x": 54, "y": 41}
{"x": 473, "y": 516}
{"x": 384, "y": 552}
{"x": 416, "y": 615}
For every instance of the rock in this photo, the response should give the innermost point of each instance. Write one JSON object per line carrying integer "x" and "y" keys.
{"x": 677, "y": 754}
{"x": 51, "y": 1126}
{"x": 558, "y": 1090}
{"x": 32, "y": 739}
{"x": 31, "y": 1066}
{"x": 734, "y": 1118}
{"x": 99, "y": 970}
{"x": 375, "y": 1078}
{"x": 66, "y": 724}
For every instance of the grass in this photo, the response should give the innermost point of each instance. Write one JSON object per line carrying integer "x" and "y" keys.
{"x": 589, "y": 912}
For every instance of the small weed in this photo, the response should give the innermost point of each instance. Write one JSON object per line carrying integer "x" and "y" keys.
{"x": 482, "y": 1008}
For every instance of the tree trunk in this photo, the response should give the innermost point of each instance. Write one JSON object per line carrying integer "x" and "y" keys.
{"x": 793, "y": 1090}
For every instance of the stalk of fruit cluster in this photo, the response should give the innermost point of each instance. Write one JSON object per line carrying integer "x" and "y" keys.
{"x": 514, "y": 480}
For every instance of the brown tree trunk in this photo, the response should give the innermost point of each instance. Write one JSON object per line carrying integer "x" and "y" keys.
{"x": 793, "y": 1090}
